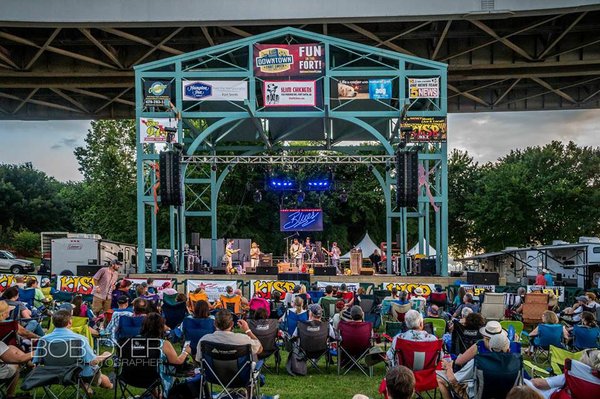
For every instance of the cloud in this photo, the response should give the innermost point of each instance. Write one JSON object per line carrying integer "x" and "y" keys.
{"x": 55, "y": 147}
{"x": 66, "y": 142}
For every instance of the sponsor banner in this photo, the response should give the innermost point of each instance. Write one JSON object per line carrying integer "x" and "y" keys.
{"x": 425, "y": 128}
{"x": 559, "y": 292}
{"x": 301, "y": 220}
{"x": 293, "y": 93}
{"x": 8, "y": 280}
{"x": 82, "y": 285}
{"x": 156, "y": 93}
{"x": 152, "y": 130}
{"x": 214, "y": 90}
{"x": 265, "y": 287}
{"x": 289, "y": 59}
{"x": 410, "y": 287}
{"x": 214, "y": 288}
{"x": 158, "y": 283}
{"x": 477, "y": 290}
{"x": 353, "y": 287}
{"x": 423, "y": 88}
{"x": 362, "y": 89}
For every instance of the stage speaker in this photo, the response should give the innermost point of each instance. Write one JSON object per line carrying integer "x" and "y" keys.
{"x": 483, "y": 278}
{"x": 87, "y": 270}
{"x": 427, "y": 267}
{"x": 170, "y": 179}
{"x": 407, "y": 179}
{"x": 195, "y": 239}
{"x": 325, "y": 271}
{"x": 294, "y": 276}
{"x": 264, "y": 270}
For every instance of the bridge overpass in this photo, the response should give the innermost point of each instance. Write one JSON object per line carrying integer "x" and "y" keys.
{"x": 73, "y": 59}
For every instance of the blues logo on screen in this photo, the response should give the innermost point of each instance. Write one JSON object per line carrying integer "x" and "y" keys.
{"x": 301, "y": 220}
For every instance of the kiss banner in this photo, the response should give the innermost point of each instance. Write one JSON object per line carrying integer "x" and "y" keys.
{"x": 265, "y": 287}
{"x": 301, "y": 220}
{"x": 8, "y": 280}
{"x": 289, "y": 59}
{"x": 81, "y": 285}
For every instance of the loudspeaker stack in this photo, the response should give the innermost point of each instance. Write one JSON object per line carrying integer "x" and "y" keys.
{"x": 170, "y": 179}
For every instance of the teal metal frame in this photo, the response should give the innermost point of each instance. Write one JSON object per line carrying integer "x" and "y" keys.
{"x": 205, "y": 132}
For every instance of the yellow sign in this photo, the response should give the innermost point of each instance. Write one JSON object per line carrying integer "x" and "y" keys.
{"x": 410, "y": 287}
{"x": 265, "y": 287}
{"x": 83, "y": 285}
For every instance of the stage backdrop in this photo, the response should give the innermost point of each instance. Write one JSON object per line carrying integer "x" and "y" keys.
{"x": 301, "y": 220}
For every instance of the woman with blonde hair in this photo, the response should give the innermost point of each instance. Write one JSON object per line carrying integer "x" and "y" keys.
{"x": 548, "y": 318}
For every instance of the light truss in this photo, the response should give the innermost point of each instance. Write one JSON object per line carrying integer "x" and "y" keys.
{"x": 289, "y": 159}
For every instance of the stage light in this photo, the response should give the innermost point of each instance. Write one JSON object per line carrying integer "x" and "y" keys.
{"x": 280, "y": 184}
{"x": 318, "y": 184}
{"x": 343, "y": 196}
{"x": 300, "y": 196}
{"x": 257, "y": 196}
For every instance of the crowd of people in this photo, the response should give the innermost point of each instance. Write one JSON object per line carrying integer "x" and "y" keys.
{"x": 233, "y": 317}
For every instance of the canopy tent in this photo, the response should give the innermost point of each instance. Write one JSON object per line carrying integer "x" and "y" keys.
{"x": 415, "y": 250}
{"x": 366, "y": 244}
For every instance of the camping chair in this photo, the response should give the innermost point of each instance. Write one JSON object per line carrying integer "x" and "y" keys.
{"x": 517, "y": 325}
{"x": 233, "y": 304}
{"x": 548, "y": 334}
{"x": 423, "y": 358}
{"x": 493, "y": 306}
{"x": 462, "y": 338}
{"x": 368, "y": 305}
{"x": 316, "y": 295}
{"x": 170, "y": 299}
{"x": 292, "y": 319}
{"x": 128, "y": 327}
{"x": 580, "y": 383}
{"x": 258, "y": 303}
{"x": 439, "y": 298}
{"x": 194, "y": 329}
{"x": 354, "y": 344}
{"x": 196, "y": 297}
{"x": 585, "y": 337}
{"x": 137, "y": 365}
{"x": 62, "y": 297}
{"x": 174, "y": 314}
{"x": 496, "y": 374}
{"x": 9, "y": 333}
{"x": 328, "y": 306}
{"x": 230, "y": 367}
{"x": 398, "y": 311}
{"x": 79, "y": 325}
{"x": 26, "y": 295}
{"x": 439, "y": 326}
{"x": 534, "y": 307}
{"x": 557, "y": 361}
{"x": 64, "y": 370}
{"x": 313, "y": 337}
{"x": 392, "y": 328}
{"x": 267, "y": 331}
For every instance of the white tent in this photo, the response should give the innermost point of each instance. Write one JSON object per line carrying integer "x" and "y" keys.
{"x": 366, "y": 244}
{"x": 415, "y": 250}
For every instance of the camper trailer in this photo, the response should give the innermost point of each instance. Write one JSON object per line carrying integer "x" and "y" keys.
{"x": 76, "y": 256}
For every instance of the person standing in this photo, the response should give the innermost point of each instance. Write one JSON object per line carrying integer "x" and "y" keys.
{"x": 540, "y": 279}
{"x": 296, "y": 253}
{"x": 375, "y": 259}
{"x": 548, "y": 277}
{"x": 335, "y": 257}
{"x": 104, "y": 283}
{"x": 254, "y": 255}
{"x": 229, "y": 251}
{"x": 166, "y": 266}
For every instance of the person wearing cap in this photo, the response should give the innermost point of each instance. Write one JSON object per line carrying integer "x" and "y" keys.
{"x": 104, "y": 283}
{"x": 418, "y": 301}
{"x": 315, "y": 312}
{"x": 461, "y": 383}
{"x": 540, "y": 279}
{"x": 468, "y": 302}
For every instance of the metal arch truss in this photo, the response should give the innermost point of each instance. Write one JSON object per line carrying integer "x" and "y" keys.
{"x": 229, "y": 133}
{"x": 289, "y": 159}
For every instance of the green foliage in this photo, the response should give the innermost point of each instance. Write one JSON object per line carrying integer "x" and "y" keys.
{"x": 26, "y": 243}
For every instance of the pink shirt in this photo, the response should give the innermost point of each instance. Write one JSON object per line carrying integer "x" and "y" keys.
{"x": 105, "y": 279}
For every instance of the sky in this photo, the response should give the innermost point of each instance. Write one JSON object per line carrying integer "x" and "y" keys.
{"x": 49, "y": 145}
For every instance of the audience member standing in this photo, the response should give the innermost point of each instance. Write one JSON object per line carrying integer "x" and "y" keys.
{"x": 104, "y": 282}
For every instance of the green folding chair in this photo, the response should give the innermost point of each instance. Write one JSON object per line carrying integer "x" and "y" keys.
{"x": 439, "y": 326}
{"x": 517, "y": 325}
{"x": 557, "y": 362}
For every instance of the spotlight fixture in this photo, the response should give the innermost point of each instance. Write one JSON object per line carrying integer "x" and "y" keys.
{"x": 257, "y": 196}
{"x": 280, "y": 184}
{"x": 213, "y": 167}
{"x": 343, "y": 196}
{"x": 370, "y": 167}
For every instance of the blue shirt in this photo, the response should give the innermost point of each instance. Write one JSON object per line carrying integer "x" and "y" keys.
{"x": 549, "y": 280}
{"x": 64, "y": 334}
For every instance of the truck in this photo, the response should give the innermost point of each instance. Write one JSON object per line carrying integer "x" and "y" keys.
{"x": 77, "y": 256}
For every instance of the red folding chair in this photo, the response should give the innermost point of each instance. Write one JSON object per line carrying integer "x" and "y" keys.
{"x": 580, "y": 382}
{"x": 9, "y": 332}
{"x": 355, "y": 343}
{"x": 423, "y": 358}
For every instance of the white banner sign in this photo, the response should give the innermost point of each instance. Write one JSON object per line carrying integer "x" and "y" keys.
{"x": 214, "y": 288}
{"x": 423, "y": 88}
{"x": 557, "y": 291}
{"x": 353, "y": 287}
{"x": 156, "y": 284}
{"x": 477, "y": 290}
{"x": 152, "y": 130}
{"x": 290, "y": 93}
{"x": 410, "y": 287}
{"x": 214, "y": 90}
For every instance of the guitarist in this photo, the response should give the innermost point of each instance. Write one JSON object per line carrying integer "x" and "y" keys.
{"x": 296, "y": 253}
{"x": 229, "y": 251}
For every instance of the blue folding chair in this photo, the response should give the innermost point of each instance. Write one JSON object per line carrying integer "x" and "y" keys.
{"x": 292, "y": 319}
{"x": 316, "y": 295}
{"x": 497, "y": 373}
{"x": 129, "y": 327}
{"x": 174, "y": 314}
{"x": 26, "y": 295}
{"x": 548, "y": 334}
{"x": 585, "y": 337}
{"x": 194, "y": 329}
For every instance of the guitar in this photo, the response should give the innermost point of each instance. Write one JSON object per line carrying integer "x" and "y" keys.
{"x": 295, "y": 252}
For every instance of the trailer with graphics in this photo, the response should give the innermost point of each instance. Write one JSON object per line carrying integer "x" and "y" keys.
{"x": 76, "y": 256}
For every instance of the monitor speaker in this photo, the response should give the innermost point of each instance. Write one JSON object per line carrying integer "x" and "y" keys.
{"x": 267, "y": 270}
{"x": 427, "y": 267}
{"x": 325, "y": 271}
{"x": 170, "y": 179}
{"x": 407, "y": 179}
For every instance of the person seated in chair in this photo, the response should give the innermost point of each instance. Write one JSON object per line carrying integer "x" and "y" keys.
{"x": 62, "y": 332}
{"x": 22, "y": 331}
{"x": 315, "y": 312}
{"x": 467, "y": 303}
{"x": 414, "y": 323}
{"x": 548, "y": 318}
{"x": 11, "y": 297}
{"x": 10, "y": 359}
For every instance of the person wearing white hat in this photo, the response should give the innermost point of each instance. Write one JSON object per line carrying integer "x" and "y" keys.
{"x": 418, "y": 301}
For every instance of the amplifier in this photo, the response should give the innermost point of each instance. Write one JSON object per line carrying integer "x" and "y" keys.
{"x": 285, "y": 267}
{"x": 264, "y": 270}
{"x": 266, "y": 260}
{"x": 325, "y": 271}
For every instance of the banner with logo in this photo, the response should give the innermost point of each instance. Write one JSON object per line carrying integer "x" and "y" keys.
{"x": 477, "y": 290}
{"x": 289, "y": 59}
{"x": 290, "y": 93}
{"x": 410, "y": 287}
{"x": 353, "y": 287}
{"x": 158, "y": 283}
{"x": 8, "y": 280}
{"x": 363, "y": 89}
{"x": 214, "y": 90}
{"x": 425, "y": 128}
{"x": 214, "y": 288}
{"x": 265, "y": 287}
{"x": 301, "y": 220}
{"x": 152, "y": 130}
{"x": 423, "y": 88}
{"x": 81, "y": 285}
{"x": 156, "y": 93}
{"x": 558, "y": 291}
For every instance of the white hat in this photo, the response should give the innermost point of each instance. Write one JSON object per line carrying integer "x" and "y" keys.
{"x": 492, "y": 328}
{"x": 499, "y": 343}
{"x": 418, "y": 291}
{"x": 545, "y": 270}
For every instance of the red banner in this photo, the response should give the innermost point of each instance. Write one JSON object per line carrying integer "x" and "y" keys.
{"x": 288, "y": 59}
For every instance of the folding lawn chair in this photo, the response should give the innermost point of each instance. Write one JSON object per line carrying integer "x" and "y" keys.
{"x": 580, "y": 382}
{"x": 462, "y": 338}
{"x": 316, "y": 295}
{"x": 439, "y": 298}
{"x": 398, "y": 311}
{"x": 194, "y": 329}
{"x": 439, "y": 326}
{"x": 354, "y": 344}
{"x": 174, "y": 314}
{"x": 292, "y": 319}
{"x": 493, "y": 306}
{"x": 548, "y": 334}
{"x": 196, "y": 297}
{"x": 534, "y": 307}
{"x": 267, "y": 332}
{"x": 392, "y": 328}
{"x": 585, "y": 337}
{"x": 27, "y": 295}
{"x": 128, "y": 327}
{"x": 231, "y": 368}
{"x": 368, "y": 304}
{"x": 171, "y": 299}
{"x": 496, "y": 374}
{"x": 137, "y": 365}
{"x": 9, "y": 333}
{"x": 233, "y": 304}
{"x": 517, "y": 325}
{"x": 328, "y": 306}
{"x": 557, "y": 361}
{"x": 313, "y": 337}
{"x": 79, "y": 325}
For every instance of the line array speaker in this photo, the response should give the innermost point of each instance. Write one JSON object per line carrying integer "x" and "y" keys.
{"x": 407, "y": 179}
{"x": 170, "y": 179}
